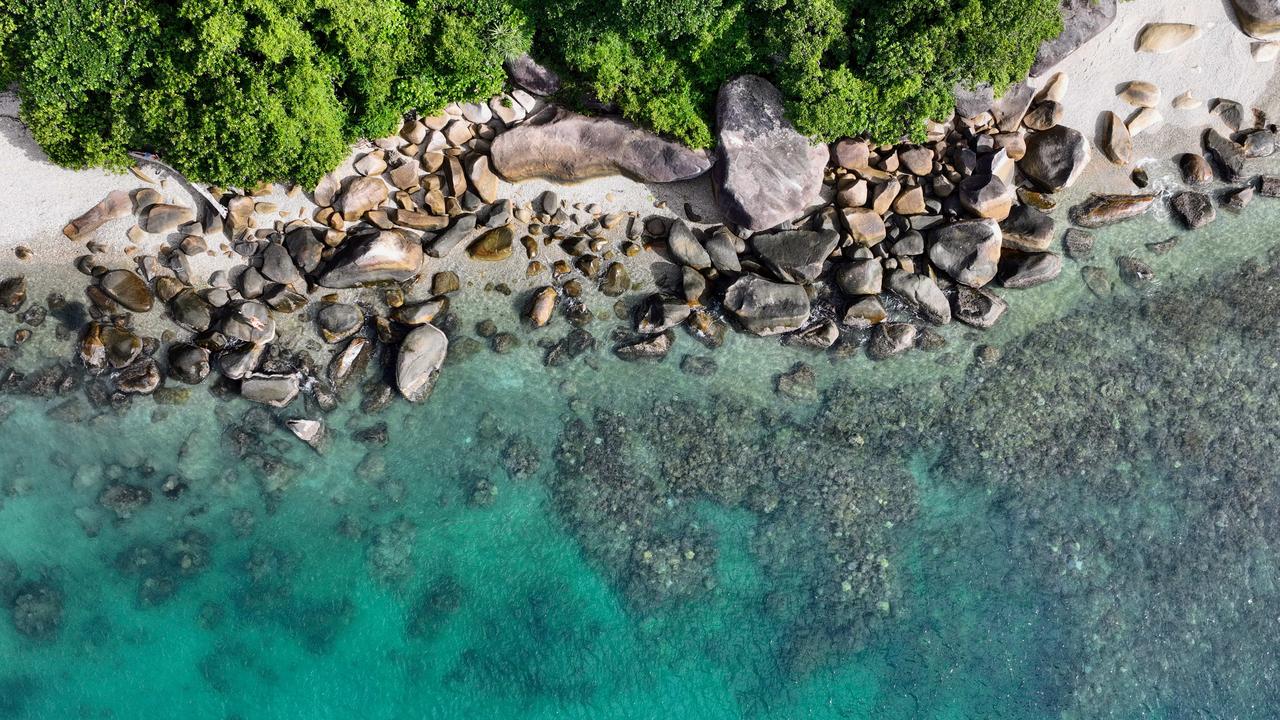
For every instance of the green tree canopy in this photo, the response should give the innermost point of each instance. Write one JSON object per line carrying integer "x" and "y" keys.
{"x": 236, "y": 91}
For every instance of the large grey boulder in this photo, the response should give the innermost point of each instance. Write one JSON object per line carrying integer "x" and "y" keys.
{"x": 1259, "y": 18}
{"x": 571, "y": 147}
{"x": 764, "y": 307}
{"x": 421, "y": 354}
{"x": 384, "y": 256}
{"x": 1055, "y": 158}
{"x": 968, "y": 251}
{"x": 796, "y": 255}
{"x": 525, "y": 72}
{"x": 922, "y": 294}
{"x": 766, "y": 172}
{"x": 1082, "y": 20}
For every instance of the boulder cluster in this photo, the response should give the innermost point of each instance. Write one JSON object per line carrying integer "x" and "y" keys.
{"x": 865, "y": 242}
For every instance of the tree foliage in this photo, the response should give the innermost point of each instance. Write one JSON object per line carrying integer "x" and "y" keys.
{"x": 235, "y": 91}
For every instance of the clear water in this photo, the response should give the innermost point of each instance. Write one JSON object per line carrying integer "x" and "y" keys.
{"x": 1054, "y": 536}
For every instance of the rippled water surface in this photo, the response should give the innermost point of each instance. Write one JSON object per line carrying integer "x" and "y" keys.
{"x": 1084, "y": 528}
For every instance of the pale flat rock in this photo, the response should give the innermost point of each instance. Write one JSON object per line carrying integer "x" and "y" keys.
{"x": 422, "y": 353}
{"x": 1140, "y": 93}
{"x": 1163, "y": 38}
{"x": 1144, "y": 119}
{"x": 385, "y": 256}
{"x": 571, "y": 147}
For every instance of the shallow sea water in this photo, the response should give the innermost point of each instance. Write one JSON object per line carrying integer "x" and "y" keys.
{"x": 403, "y": 589}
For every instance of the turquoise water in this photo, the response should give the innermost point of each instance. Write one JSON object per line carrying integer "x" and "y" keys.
{"x": 1083, "y": 529}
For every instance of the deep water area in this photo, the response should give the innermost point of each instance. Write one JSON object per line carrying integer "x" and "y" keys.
{"x": 1073, "y": 515}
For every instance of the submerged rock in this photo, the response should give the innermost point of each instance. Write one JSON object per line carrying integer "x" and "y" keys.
{"x": 766, "y": 172}
{"x": 571, "y": 147}
{"x": 1102, "y": 210}
{"x": 37, "y": 610}
{"x": 268, "y": 389}
{"x": 891, "y": 339}
{"x": 655, "y": 347}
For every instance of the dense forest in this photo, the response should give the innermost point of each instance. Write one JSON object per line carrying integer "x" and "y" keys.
{"x": 236, "y": 91}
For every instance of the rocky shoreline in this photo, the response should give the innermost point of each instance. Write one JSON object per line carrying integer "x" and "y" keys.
{"x": 846, "y": 249}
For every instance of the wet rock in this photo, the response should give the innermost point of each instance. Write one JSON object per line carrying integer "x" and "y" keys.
{"x": 1195, "y": 169}
{"x": 795, "y": 255}
{"x": 124, "y": 499}
{"x": 338, "y": 321}
{"x": 616, "y": 280}
{"x": 798, "y": 383}
{"x": 922, "y": 294}
{"x": 765, "y": 171}
{"x": 311, "y": 432}
{"x": 191, "y": 311}
{"x": 140, "y": 378}
{"x": 1028, "y": 270}
{"x": 37, "y": 610}
{"x": 127, "y": 289}
{"x": 968, "y": 251}
{"x": 764, "y": 307}
{"x": 818, "y": 337}
{"x": 1096, "y": 279}
{"x": 654, "y": 347}
{"x": 269, "y": 389}
{"x": 350, "y": 362}
{"x": 571, "y": 147}
{"x": 1055, "y": 158}
{"x": 860, "y": 277}
{"x": 890, "y": 339}
{"x": 1193, "y": 209}
{"x": 494, "y": 245}
{"x": 1260, "y": 143}
{"x": 13, "y": 293}
{"x": 1102, "y": 210}
{"x": 660, "y": 313}
{"x": 421, "y": 313}
{"x": 188, "y": 363}
{"x": 1229, "y": 155}
{"x": 422, "y": 353}
{"x": 250, "y": 322}
{"x": 978, "y": 307}
{"x": 1135, "y": 273}
{"x": 864, "y": 313}
{"x": 542, "y": 306}
{"x": 384, "y": 256}
{"x": 239, "y": 362}
{"x": 1082, "y": 21}
{"x": 1027, "y": 229}
{"x": 445, "y": 282}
